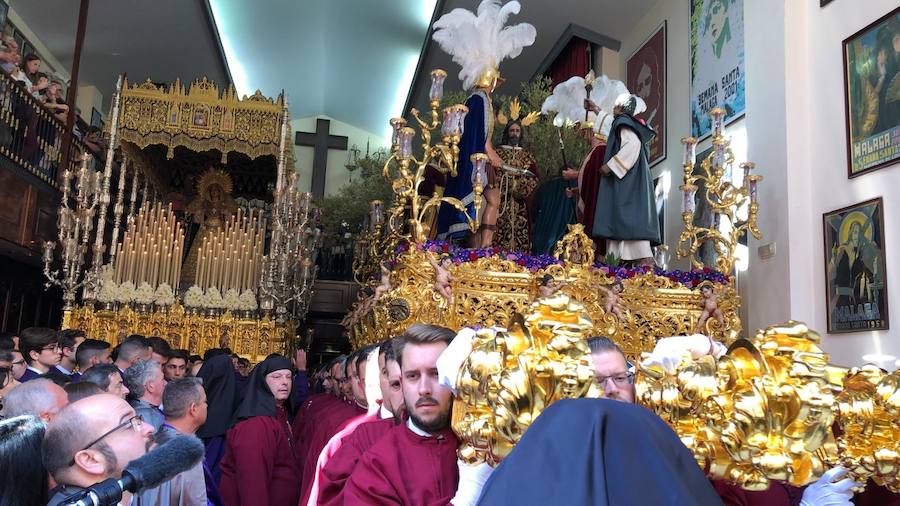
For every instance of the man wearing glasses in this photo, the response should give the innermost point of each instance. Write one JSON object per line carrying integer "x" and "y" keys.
{"x": 613, "y": 373}
{"x": 91, "y": 440}
{"x": 40, "y": 349}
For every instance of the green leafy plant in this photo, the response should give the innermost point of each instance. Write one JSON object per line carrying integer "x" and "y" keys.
{"x": 350, "y": 204}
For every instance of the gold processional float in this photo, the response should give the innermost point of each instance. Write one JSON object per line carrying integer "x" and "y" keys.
{"x": 247, "y": 275}
{"x": 772, "y": 408}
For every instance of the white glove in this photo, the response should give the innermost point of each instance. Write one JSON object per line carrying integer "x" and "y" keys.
{"x": 471, "y": 480}
{"x": 452, "y": 359}
{"x": 827, "y": 492}
{"x": 669, "y": 351}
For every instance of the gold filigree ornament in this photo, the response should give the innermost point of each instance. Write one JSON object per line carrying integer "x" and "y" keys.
{"x": 513, "y": 374}
{"x": 869, "y": 420}
{"x": 763, "y": 412}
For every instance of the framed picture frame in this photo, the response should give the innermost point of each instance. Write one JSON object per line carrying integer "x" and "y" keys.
{"x": 717, "y": 62}
{"x": 872, "y": 96}
{"x": 646, "y": 76}
{"x": 856, "y": 295}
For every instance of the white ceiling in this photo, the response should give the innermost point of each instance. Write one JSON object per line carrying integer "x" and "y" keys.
{"x": 352, "y": 60}
{"x": 157, "y": 39}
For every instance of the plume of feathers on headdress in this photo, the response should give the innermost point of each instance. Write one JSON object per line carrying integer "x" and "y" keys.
{"x": 478, "y": 42}
{"x": 567, "y": 101}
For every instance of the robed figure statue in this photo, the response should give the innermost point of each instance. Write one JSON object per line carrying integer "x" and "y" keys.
{"x": 626, "y": 210}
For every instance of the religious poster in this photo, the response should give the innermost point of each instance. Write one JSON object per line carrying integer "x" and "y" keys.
{"x": 717, "y": 61}
{"x": 872, "y": 95}
{"x": 855, "y": 268}
{"x": 704, "y": 217}
{"x": 645, "y": 76}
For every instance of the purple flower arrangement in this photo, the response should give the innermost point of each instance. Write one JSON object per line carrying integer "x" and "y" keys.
{"x": 533, "y": 263}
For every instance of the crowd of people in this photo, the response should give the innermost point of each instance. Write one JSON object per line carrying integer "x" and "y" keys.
{"x": 370, "y": 428}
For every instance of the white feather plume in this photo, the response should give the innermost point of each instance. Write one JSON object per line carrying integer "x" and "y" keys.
{"x": 567, "y": 101}
{"x": 479, "y": 42}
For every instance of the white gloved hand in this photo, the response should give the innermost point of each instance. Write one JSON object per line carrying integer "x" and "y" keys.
{"x": 452, "y": 359}
{"x": 669, "y": 351}
{"x": 471, "y": 480}
{"x": 828, "y": 492}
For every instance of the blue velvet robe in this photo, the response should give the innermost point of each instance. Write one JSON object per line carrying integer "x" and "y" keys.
{"x": 451, "y": 223}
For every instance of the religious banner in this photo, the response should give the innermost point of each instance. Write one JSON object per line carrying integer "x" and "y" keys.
{"x": 717, "y": 61}
{"x": 645, "y": 76}
{"x": 856, "y": 280}
{"x": 872, "y": 95}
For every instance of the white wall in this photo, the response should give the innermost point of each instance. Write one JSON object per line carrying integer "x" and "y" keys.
{"x": 825, "y": 173}
{"x": 794, "y": 128}
{"x": 336, "y": 175}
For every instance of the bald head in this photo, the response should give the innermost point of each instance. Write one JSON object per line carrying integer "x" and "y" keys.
{"x": 82, "y": 422}
{"x": 39, "y": 397}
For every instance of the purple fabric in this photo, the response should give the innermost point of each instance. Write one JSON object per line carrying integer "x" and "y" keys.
{"x": 215, "y": 450}
{"x": 300, "y": 388}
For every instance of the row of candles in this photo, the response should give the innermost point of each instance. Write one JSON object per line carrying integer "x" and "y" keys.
{"x": 152, "y": 248}
{"x": 720, "y": 163}
{"x": 230, "y": 257}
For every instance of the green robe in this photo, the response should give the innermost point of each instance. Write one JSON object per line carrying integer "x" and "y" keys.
{"x": 626, "y": 208}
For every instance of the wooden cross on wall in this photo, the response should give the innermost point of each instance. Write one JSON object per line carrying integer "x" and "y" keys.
{"x": 322, "y": 141}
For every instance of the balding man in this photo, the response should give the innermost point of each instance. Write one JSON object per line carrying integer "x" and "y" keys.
{"x": 91, "y": 440}
{"x": 132, "y": 349}
{"x": 39, "y": 397}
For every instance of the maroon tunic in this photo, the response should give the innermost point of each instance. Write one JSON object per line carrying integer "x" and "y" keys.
{"x": 403, "y": 468}
{"x": 307, "y": 419}
{"x": 588, "y": 183}
{"x": 341, "y": 464}
{"x": 259, "y": 466}
{"x": 329, "y": 424}
{"x": 780, "y": 494}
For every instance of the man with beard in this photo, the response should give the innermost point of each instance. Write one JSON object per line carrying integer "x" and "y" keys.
{"x": 518, "y": 178}
{"x": 339, "y": 465}
{"x": 415, "y": 462}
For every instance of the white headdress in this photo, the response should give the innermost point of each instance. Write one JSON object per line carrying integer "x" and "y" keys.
{"x": 567, "y": 102}
{"x": 632, "y": 104}
{"x": 479, "y": 42}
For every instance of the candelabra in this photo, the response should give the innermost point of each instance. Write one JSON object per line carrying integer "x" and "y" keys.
{"x": 75, "y": 226}
{"x": 289, "y": 270}
{"x": 724, "y": 199}
{"x": 441, "y": 155}
{"x": 372, "y": 244}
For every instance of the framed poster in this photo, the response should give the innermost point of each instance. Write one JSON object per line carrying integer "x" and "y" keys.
{"x": 4, "y": 12}
{"x": 855, "y": 277}
{"x": 717, "y": 62}
{"x": 645, "y": 76}
{"x": 872, "y": 95}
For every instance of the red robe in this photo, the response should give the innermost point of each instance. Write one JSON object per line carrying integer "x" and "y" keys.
{"x": 339, "y": 467}
{"x": 327, "y": 425}
{"x": 403, "y": 468}
{"x": 588, "y": 183}
{"x": 306, "y": 420}
{"x": 259, "y": 466}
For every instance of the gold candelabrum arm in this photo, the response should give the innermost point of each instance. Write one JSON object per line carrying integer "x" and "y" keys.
{"x": 721, "y": 196}
{"x": 407, "y": 172}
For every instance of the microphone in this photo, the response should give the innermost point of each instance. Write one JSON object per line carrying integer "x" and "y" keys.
{"x": 156, "y": 467}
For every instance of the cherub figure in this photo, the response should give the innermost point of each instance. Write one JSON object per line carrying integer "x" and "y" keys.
{"x": 549, "y": 286}
{"x": 442, "y": 277}
{"x": 613, "y": 300}
{"x": 385, "y": 285}
{"x": 710, "y": 302}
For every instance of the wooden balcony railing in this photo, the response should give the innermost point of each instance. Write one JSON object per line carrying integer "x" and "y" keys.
{"x": 31, "y": 136}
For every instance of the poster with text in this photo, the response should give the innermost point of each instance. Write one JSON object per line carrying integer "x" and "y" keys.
{"x": 717, "y": 61}
{"x": 856, "y": 281}
{"x": 645, "y": 76}
{"x": 872, "y": 95}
